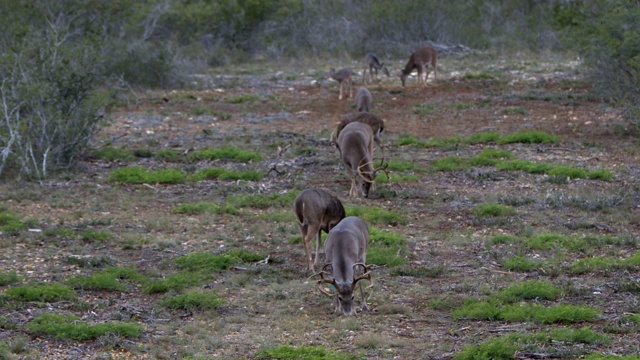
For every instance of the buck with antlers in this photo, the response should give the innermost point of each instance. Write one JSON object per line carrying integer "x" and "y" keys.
{"x": 374, "y": 121}
{"x": 345, "y": 253}
{"x": 355, "y": 143}
{"x": 420, "y": 61}
{"x": 343, "y": 77}
{"x": 317, "y": 210}
{"x": 372, "y": 63}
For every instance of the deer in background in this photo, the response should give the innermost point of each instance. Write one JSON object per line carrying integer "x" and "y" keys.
{"x": 374, "y": 121}
{"x": 420, "y": 60}
{"x": 355, "y": 143}
{"x": 371, "y": 63}
{"x": 317, "y": 210}
{"x": 363, "y": 99}
{"x": 345, "y": 253}
{"x": 343, "y": 77}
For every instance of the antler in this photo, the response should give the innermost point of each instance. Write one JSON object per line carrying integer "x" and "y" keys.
{"x": 365, "y": 275}
{"x": 324, "y": 280}
{"x": 383, "y": 167}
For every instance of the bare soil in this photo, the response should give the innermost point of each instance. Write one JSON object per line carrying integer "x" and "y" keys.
{"x": 289, "y": 120}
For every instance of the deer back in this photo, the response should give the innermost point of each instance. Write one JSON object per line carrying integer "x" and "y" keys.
{"x": 376, "y": 123}
{"x": 342, "y": 74}
{"x": 346, "y": 245}
{"x": 364, "y": 99}
{"x": 317, "y": 206}
{"x": 355, "y": 142}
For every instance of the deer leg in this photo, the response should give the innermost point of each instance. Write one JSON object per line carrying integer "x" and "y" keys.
{"x": 340, "y": 96}
{"x": 364, "y": 300}
{"x": 318, "y": 238}
{"x": 307, "y": 238}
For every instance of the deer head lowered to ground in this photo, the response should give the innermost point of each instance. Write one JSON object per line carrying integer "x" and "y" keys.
{"x": 420, "y": 61}
{"x": 345, "y": 254}
{"x": 376, "y": 123}
{"x": 355, "y": 143}
{"x": 317, "y": 210}
{"x": 343, "y": 77}
{"x": 372, "y": 63}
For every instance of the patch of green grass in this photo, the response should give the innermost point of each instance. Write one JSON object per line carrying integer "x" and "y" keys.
{"x": 225, "y": 153}
{"x": 98, "y": 281}
{"x": 242, "y": 98}
{"x": 225, "y": 174}
{"x": 95, "y": 235}
{"x": 504, "y": 239}
{"x": 376, "y": 215}
{"x": 529, "y": 290}
{"x": 598, "y": 356}
{"x": 395, "y": 165}
{"x": 245, "y": 256}
{"x": 141, "y": 175}
{"x": 71, "y": 327}
{"x": 10, "y": 222}
{"x": 385, "y": 238}
{"x": 90, "y": 261}
{"x": 199, "y": 110}
{"x": 9, "y": 278}
{"x": 450, "y": 163}
{"x": 397, "y": 178}
{"x": 387, "y": 256}
{"x": 525, "y": 136}
{"x": 193, "y": 300}
{"x": 176, "y": 282}
{"x": 492, "y": 210}
{"x": 167, "y": 155}
{"x": 478, "y": 76}
{"x": 528, "y": 137}
{"x": 604, "y": 263}
{"x": 496, "y": 311}
{"x": 600, "y": 174}
{"x": 286, "y": 352}
{"x": 501, "y": 348}
{"x": 520, "y": 263}
{"x": 41, "y": 293}
{"x": 111, "y": 153}
{"x": 545, "y": 241}
{"x": 206, "y": 262}
{"x": 263, "y": 201}
{"x": 202, "y": 208}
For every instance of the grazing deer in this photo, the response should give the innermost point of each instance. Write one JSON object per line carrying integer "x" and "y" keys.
{"x": 355, "y": 143}
{"x": 420, "y": 60}
{"x": 363, "y": 99}
{"x": 343, "y": 77}
{"x": 317, "y": 211}
{"x": 371, "y": 63}
{"x": 374, "y": 121}
{"x": 345, "y": 252}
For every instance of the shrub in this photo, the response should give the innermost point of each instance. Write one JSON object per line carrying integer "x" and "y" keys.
{"x": 41, "y": 293}
{"x": 529, "y": 290}
{"x": 193, "y": 300}
{"x": 140, "y": 175}
{"x": 10, "y": 222}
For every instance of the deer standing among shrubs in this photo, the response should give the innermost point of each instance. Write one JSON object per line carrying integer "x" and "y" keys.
{"x": 345, "y": 253}
{"x": 372, "y": 63}
{"x": 363, "y": 100}
{"x": 376, "y": 123}
{"x": 317, "y": 211}
{"x": 420, "y": 61}
{"x": 355, "y": 143}
{"x": 343, "y": 77}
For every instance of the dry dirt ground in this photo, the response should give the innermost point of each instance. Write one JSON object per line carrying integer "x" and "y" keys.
{"x": 288, "y": 115}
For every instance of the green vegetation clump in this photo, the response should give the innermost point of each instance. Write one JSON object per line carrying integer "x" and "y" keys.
{"x": 9, "y": 278}
{"x": 525, "y": 137}
{"x": 605, "y": 263}
{"x": 225, "y": 153}
{"x": 529, "y": 290}
{"x": 111, "y": 153}
{"x": 242, "y": 98}
{"x": 142, "y": 175}
{"x": 41, "y": 293}
{"x": 175, "y": 282}
{"x": 494, "y": 310}
{"x": 167, "y": 155}
{"x": 492, "y": 210}
{"x": 263, "y": 201}
{"x": 418, "y": 271}
{"x": 387, "y": 256}
{"x": 225, "y": 174}
{"x": 10, "y": 222}
{"x": 109, "y": 279}
{"x": 286, "y": 352}
{"x": 521, "y": 263}
{"x": 206, "y": 262}
{"x": 193, "y": 300}
{"x": 96, "y": 235}
{"x": 375, "y": 215}
{"x": 71, "y": 327}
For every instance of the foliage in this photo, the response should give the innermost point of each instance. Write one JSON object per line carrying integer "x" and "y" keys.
{"x": 492, "y": 310}
{"x": 41, "y": 293}
{"x": 202, "y": 261}
{"x": 10, "y": 222}
{"x": 70, "y": 327}
{"x": 529, "y": 290}
{"x": 9, "y": 278}
{"x": 141, "y": 175}
{"x": 375, "y": 215}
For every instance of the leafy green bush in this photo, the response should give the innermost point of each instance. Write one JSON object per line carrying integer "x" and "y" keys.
{"x": 71, "y": 327}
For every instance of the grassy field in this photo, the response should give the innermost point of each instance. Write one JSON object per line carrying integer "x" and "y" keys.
{"x": 508, "y": 228}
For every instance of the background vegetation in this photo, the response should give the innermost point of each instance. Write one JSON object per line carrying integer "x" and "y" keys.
{"x": 61, "y": 62}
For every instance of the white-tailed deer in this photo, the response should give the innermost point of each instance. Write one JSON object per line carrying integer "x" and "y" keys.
{"x": 345, "y": 253}
{"x": 343, "y": 77}
{"x": 420, "y": 60}
{"x": 372, "y": 63}
{"x": 317, "y": 211}
{"x": 374, "y": 121}
{"x": 364, "y": 100}
{"x": 355, "y": 143}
